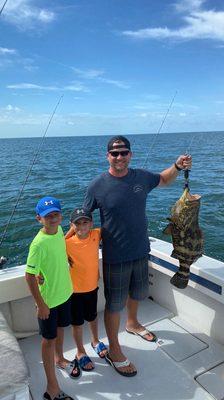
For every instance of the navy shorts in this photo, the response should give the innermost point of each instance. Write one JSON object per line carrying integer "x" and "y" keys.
{"x": 125, "y": 279}
{"x": 59, "y": 317}
{"x": 84, "y": 307}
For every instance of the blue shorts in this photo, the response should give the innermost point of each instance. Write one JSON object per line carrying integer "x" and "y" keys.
{"x": 125, "y": 279}
{"x": 59, "y": 317}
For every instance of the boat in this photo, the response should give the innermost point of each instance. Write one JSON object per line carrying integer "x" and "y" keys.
{"x": 187, "y": 362}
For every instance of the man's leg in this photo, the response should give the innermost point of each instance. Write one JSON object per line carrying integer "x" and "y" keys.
{"x": 112, "y": 323}
{"x": 132, "y": 323}
{"x": 116, "y": 286}
{"x": 139, "y": 290}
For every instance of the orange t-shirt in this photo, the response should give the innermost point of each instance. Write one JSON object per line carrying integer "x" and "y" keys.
{"x": 85, "y": 256}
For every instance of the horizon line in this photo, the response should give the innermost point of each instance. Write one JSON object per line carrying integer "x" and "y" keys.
{"x": 108, "y": 134}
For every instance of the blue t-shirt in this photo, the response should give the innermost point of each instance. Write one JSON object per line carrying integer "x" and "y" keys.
{"x": 122, "y": 204}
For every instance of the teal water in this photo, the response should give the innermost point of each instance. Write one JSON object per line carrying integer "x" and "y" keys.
{"x": 66, "y": 165}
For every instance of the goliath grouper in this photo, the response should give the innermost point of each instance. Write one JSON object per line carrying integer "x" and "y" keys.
{"x": 186, "y": 235}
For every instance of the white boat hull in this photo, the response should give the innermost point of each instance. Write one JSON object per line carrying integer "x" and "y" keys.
{"x": 190, "y": 329}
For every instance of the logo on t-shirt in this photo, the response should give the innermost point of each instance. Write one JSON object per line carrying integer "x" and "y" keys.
{"x": 137, "y": 188}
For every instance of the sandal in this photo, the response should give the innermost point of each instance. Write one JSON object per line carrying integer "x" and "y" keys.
{"x": 60, "y": 396}
{"x": 143, "y": 333}
{"x": 119, "y": 364}
{"x": 83, "y": 361}
{"x": 99, "y": 348}
{"x": 72, "y": 369}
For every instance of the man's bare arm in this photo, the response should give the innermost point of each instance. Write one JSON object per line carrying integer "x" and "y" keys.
{"x": 169, "y": 175}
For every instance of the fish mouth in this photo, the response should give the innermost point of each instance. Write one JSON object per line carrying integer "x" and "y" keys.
{"x": 193, "y": 197}
{"x": 190, "y": 198}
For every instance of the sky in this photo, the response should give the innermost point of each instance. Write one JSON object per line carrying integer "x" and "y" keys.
{"x": 111, "y": 67}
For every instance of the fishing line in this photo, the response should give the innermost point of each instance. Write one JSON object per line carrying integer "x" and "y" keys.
{"x": 3, "y": 6}
{"x": 187, "y": 152}
{"x": 159, "y": 130}
{"x": 29, "y": 172}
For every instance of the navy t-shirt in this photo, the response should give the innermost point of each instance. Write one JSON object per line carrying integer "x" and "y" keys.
{"x": 122, "y": 204}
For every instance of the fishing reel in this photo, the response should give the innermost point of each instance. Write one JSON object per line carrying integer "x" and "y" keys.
{"x": 3, "y": 260}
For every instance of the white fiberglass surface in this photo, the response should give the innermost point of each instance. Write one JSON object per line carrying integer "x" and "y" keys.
{"x": 159, "y": 376}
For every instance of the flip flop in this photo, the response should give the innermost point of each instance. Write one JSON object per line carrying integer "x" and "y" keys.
{"x": 118, "y": 364}
{"x": 143, "y": 333}
{"x": 70, "y": 369}
{"x": 61, "y": 396}
{"x": 83, "y": 361}
{"x": 99, "y": 348}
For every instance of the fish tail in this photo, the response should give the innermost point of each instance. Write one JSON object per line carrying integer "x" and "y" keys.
{"x": 181, "y": 277}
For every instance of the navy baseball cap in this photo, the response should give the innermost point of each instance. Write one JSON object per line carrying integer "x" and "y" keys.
{"x": 46, "y": 205}
{"x": 114, "y": 143}
{"x": 79, "y": 213}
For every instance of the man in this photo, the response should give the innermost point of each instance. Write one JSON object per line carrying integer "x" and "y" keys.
{"x": 120, "y": 194}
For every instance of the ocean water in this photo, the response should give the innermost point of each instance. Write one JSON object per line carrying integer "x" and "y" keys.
{"x": 66, "y": 165}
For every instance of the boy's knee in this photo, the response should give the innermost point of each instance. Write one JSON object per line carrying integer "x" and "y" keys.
{"x": 48, "y": 342}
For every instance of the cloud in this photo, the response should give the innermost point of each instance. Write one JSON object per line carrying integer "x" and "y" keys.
{"x": 28, "y": 86}
{"x": 7, "y": 57}
{"x": 9, "y": 113}
{"x": 98, "y": 76}
{"x": 119, "y": 84}
{"x": 219, "y": 102}
{"x": 9, "y": 107}
{"x": 75, "y": 87}
{"x": 4, "y": 51}
{"x": 89, "y": 73}
{"x": 189, "y": 5}
{"x": 28, "y": 64}
{"x": 12, "y": 57}
{"x": 198, "y": 24}
{"x": 25, "y": 15}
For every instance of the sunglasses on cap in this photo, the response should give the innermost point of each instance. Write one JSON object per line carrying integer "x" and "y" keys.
{"x": 123, "y": 153}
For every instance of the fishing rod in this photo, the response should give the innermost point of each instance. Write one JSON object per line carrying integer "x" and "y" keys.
{"x": 4, "y": 4}
{"x": 159, "y": 130}
{"x": 3, "y": 259}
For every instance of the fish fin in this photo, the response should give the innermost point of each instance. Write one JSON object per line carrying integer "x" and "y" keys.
{"x": 168, "y": 229}
{"x": 174, "y": 255}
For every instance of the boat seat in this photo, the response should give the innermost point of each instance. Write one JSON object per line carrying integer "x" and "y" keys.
{"x": 12, "y": 365}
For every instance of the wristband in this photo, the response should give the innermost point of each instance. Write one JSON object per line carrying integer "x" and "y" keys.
{"x": 178, "y": 168}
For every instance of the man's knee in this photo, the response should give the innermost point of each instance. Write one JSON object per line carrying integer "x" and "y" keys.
{"x": 112, "y": 307}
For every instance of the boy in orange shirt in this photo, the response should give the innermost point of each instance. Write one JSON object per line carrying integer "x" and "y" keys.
{"x": 83, "y": 254}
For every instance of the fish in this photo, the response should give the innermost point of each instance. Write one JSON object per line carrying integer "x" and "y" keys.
{"x": 187, "y": 237}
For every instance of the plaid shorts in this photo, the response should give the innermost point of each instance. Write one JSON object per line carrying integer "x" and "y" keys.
{"x": 125, "y": 279}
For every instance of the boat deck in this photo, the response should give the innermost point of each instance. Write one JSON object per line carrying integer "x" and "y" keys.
{"x": 175, "y": 368}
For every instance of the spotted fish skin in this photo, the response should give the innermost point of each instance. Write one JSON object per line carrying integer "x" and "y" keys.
{"x": 186, "y": 235}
